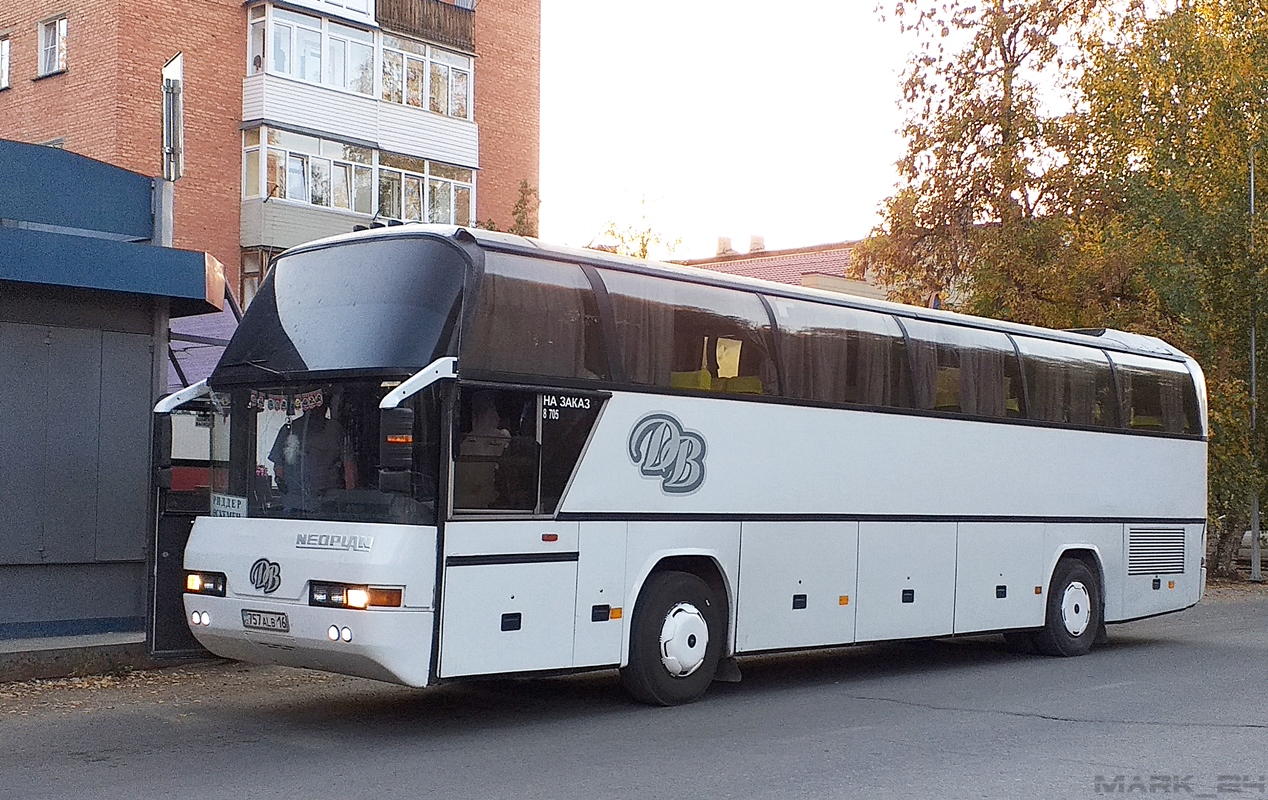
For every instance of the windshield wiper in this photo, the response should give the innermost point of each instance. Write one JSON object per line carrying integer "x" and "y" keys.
{"x": 258, "y": 363}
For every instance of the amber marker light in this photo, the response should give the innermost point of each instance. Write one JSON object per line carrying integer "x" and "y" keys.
{"x": 1171, "y": 584}
{"x": 341, "y": 595}
{"x": 400, "y": 438}
{"x": 614, "y": 613}
{"x": 843, "y": 600}
{"x": 1038, "y": 590}
{"x": 387, "y": 598}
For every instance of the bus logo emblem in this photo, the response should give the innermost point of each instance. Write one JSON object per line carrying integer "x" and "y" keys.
{"x": 662, "y": 448}
{"x": 266, "y": 575}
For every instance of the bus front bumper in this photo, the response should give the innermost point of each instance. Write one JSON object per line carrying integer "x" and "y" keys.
{"x": 387, "y": 645}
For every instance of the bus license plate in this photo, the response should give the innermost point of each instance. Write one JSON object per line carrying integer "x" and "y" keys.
{"x": 266, "y": 621}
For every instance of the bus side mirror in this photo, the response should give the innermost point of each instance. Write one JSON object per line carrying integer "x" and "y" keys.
{"x": 396, "y": 450}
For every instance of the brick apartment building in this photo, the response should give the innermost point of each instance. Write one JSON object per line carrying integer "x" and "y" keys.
{"x": 301, "y": 118}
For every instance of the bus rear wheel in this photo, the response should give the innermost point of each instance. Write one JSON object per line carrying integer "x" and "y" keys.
{"x": 1073, "y": 618}
{"x": 675, "y": 640}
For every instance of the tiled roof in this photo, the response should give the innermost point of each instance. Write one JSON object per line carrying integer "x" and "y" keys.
{"x": 782, "y": 266}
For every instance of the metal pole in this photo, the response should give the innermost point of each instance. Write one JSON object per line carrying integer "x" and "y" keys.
{"x": 1256, "y": 556}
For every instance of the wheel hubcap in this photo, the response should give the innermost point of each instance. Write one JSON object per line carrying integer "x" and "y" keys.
{"x": 1076, "y": 608}
{"x": 684, "y": 637}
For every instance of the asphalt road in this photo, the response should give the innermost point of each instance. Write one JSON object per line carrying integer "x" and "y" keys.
{"x": 1175, "y": 705}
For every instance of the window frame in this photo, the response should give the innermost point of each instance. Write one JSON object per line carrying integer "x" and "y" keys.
{"x": 853, "y": 339}
{"x": 551, "y": 402}
{"x": 5, "y": 68}
{"x": 681, "y": 350}
{"x": 60, "y": 26}
{"x": 283, "y": 25}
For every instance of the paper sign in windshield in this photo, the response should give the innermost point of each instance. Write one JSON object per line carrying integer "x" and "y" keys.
{"x": 228, "y": 505}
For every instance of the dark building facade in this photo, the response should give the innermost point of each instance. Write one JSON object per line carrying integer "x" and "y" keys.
{"x": 85, "y": 299}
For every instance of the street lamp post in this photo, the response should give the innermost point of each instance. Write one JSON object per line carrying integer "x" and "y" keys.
{"x": 1255, "y": 551}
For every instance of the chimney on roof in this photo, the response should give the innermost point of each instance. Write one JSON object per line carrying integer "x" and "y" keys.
{"x": 756, "y": 244}
{"x": 724, "y": 246}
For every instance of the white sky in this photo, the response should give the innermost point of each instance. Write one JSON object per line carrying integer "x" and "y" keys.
{"x": 730, "y": 118}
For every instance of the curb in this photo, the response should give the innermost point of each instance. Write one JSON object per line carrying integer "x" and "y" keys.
{"x": 82, "y": 660}
{"x": 72, "y": 661}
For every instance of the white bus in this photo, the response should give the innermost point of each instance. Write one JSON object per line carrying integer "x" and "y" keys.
{"x": 441, "y": 454}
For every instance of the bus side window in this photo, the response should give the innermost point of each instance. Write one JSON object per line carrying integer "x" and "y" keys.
{"x": 833, "y": 354}
{"x": 1067, "y": 383}
{"x": 536, "y": 317}
{"x": 965, "y": 370}
{"x": 690, "y": 336}
{"x": 1156, "y": 395}
{"x": 496, "y": 453}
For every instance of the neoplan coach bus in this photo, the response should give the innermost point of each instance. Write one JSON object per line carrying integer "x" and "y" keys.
{"x": 442, "y": 453}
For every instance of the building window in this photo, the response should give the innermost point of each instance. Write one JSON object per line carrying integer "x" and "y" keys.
{"x": 306, "y": 169}
{"x": 52, "y": 46}
{"x": 324, "y": 52}
{"x": 4, "y": 62}
{"x": 278, "y": 164}
{"x": 256, "y": 262}
{"x": 255, "y": 48}
{"x": 416, "y": 190}
{"x": 312, "y": 49}
{"x": 423, "y": 76}
{"x": 251, "y": 163}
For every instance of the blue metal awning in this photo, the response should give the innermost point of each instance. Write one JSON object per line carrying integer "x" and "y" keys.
{"x": 194, "y": 281}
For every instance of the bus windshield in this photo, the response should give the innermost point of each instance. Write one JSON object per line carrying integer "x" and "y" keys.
{"x": 312, "y": 451}
{"x": 384, "y": 305}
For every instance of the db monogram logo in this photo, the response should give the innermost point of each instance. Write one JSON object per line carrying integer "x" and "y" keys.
{"x": 266, "y": 575}
{"x": 663, "y": 449}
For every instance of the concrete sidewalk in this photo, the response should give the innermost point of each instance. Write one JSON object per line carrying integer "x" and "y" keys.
{"x": 64, "y": 656}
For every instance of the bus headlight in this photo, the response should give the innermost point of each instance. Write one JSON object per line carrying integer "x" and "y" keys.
{"x": 210, "y": 583}
{"x": 343, "y": 595}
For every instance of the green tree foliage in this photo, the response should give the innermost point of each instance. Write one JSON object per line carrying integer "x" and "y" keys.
{"x": 1128, "y": 211}
{"x": 976, "y": 169}
{"x": 525, "y": 211}
{"x": 1173, "y": 109}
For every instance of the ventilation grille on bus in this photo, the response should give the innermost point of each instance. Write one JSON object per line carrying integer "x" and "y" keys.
{"x": 1155, "y": 552}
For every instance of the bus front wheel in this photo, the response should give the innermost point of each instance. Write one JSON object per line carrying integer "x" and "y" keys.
{"x": 675, "y": 640}
{"x": 1073, "y": 617}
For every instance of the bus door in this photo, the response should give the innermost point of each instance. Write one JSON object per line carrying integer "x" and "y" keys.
{"x": 511, "y": 569}
{"x": 182, "y": 460}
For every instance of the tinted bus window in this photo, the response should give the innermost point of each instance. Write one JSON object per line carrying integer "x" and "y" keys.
{"x": 386, "y": 304}
{"x": 1068, "y": 384}
{"x": 964, "y": 370}
{"x": 496, "y": 451}
{"x": 1156, "y": 395}
{"x": 535, "y": 317}
{"x": 840, "y": 355}
{"x": 687, "y": 336}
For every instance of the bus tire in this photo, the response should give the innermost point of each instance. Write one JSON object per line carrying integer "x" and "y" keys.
{"x": 1073, "y": 615}
{"x": 676, "y": 638}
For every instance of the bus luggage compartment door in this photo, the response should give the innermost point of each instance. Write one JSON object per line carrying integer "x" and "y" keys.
{"x": 509, "y": 597}
{"x": 796, "y": 581}
{"x": 906, "y": 580}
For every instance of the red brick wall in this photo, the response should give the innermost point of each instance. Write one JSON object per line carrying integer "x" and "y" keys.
{"x": 507, "y": 103}
{"x": 108, "y": 103}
